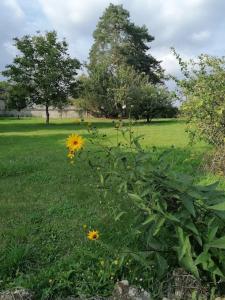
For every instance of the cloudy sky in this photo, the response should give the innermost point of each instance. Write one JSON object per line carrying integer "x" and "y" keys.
{"x": 191, "y": 26}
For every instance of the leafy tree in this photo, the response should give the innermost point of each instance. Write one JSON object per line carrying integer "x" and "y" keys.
{"x": 120, "y": 64}
{"x": 122, "y": 91}
{"x": 16, "y": 98}
{"x": 119, "y": 41}
{"x": 203, "y": 90}
{"x": 151, "y": 101}
{"x": 43, "y": 71}
{"x": 4, "y": 87}
{"x": 110, "y": 91}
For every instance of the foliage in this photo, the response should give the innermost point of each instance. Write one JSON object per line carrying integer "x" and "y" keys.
{"x": 151, "y": 101}
{"x": 3, "y": 90}
{"x": 179, "y": 223}
{"x": 43, "y": 71}
{"x": 16, "y": 98}
{"x": 204, "y": 104}
{"x": 119, "y": 41}
{"x": 108, "y": 90}
{"x": 214, "y": 161}
{"x": 119, "y": 64}
{"x": 122, "y": 91}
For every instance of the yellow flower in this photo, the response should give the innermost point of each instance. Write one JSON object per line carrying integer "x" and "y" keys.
{"x": 93, "y": 235}
{"x": 70, "y": 155}
{"x": 74, "y": 142}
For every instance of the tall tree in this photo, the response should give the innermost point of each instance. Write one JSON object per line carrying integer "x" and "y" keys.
{"x": 43, "y": 70}
{"x": 107, "y": 91}
{"x": 117, "y": 41}
{"x": 152, "y": 101}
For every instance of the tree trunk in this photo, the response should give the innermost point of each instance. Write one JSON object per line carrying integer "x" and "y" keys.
{"x": 149, "y": 117}
{"x": 47, "y": 114}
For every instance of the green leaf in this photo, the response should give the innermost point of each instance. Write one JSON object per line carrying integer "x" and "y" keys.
{"x": 150, "y": 219}
{"x": 119, "y": 215}
{"x": 192, "y": 227}
{"x": 188, "y": 204}
{"x": 162, "y": 264}
{"x": 219, "y": 243}
{"x": 159, "y": 224}
{"x": 202, "y": 259}
{"x": 135, "y": 197}
{"x": 212, "y": 232}
{"x": 101, "y": 179}
{"x": 219, "y": 206}
{"x": 188, "y": 263}
{"x": 182, "y": 249}
{"x": 139, "y": 202}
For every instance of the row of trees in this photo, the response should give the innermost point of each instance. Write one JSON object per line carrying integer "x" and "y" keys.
{"x": 122, "y": 78}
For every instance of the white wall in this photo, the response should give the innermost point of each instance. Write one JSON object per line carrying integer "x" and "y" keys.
{"x": 39, "y": 111}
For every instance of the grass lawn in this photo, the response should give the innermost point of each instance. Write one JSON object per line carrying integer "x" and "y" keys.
{"x": 45, "y": 201}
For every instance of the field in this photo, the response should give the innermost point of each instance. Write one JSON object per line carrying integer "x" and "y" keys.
{"x": 45, "y": 201}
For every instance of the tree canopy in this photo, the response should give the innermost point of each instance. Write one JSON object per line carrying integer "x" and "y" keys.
{"x": 119, "y": 41}
{"x": 203, "y": 90}
{"x": 43, "y": 71}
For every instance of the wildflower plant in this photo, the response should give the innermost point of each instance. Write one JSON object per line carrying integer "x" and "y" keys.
{"x": 177, "y": 223}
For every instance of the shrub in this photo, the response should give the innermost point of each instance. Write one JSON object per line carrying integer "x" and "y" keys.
{"x": 178, "y": 223}
{"x": 202, "y": 88}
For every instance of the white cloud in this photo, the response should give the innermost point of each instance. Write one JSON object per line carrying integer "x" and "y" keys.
{"x": 191, "y": 26}
{"x": 201, "y": 36}
{"x": 14, "y": 6}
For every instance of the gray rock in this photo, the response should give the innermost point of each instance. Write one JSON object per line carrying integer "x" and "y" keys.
{"x": 17, "y": 294}
{"x": 123, "y": 291}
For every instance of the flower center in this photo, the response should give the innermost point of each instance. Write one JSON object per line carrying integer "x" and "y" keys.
{"x": 94, "y": 236}
{"x": 75, "y": 143}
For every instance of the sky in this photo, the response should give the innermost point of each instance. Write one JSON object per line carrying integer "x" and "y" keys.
{"x": 191, "y": 26}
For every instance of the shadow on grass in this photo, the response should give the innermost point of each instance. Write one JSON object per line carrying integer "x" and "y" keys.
{"x": 181, "y": 158}
{"x": 23, "y": 125}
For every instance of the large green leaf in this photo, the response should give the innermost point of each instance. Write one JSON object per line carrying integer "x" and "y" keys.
{"x": 219, "y": 243}
{"x": 185, "y": 253}
{"x": 159, "y": 223}
{"x": 219, "y": 206}
{"x": 162, "y": 264}
{"x": 188, "y": 204}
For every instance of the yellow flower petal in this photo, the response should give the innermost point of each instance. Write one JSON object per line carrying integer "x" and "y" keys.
{"x": 74, "y": 142}
{"x": 93, "y": 235}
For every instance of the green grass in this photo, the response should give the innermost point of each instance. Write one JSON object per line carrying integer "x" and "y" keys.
{"x": 45, "y": 200}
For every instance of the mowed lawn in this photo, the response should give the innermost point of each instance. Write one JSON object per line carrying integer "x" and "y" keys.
{"x": 45, "y": 201}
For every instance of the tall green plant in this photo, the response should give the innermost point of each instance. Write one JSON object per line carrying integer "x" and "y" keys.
{"x": 203, "y": 90}
{"x": 179, "y": 223}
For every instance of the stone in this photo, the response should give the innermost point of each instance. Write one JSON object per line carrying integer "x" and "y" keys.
{"x": 123, "y": 291}
{"x": 17, "y": 294}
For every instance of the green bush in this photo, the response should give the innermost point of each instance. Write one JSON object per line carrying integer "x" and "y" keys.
{"x": 202, "y": 91}
{"x": 178, "y": 224}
